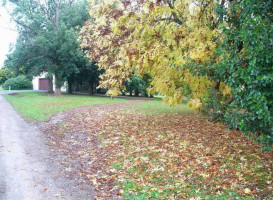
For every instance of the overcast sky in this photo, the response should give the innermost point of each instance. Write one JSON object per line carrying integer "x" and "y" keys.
{"x": 8, "y": 34}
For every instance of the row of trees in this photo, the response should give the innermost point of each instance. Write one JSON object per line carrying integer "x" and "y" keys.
{"x": 217, "y": 51}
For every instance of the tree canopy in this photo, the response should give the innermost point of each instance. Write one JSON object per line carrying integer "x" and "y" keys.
{"x": 47, "y": 40}
{"x": 150, "y": 37}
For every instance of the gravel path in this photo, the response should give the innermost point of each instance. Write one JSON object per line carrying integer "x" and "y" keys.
{"x": 27, "y": 169}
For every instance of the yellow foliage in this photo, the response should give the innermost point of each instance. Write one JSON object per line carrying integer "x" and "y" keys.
{"x": 150, "y": 37}
{"x": 195, "y": 103}
{"x": 225, "y": 89}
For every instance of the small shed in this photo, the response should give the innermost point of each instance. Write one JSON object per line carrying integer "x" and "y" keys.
{"x": 42, "y": 83}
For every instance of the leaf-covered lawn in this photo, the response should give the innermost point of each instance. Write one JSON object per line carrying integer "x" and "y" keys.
{"x": 156, "y": 107}
{"x": 126, "y": 153}
{"x": 42, "y": 106}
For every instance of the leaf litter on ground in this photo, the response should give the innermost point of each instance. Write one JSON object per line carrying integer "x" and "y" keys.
{"x": 125, "y": 153}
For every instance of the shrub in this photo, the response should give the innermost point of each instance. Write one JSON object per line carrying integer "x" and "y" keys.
{"x": 245, "y": 65}
{"x": 18, "y": 83}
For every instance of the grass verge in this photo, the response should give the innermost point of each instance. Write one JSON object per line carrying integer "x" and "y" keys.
{"x": 41, "y": 106}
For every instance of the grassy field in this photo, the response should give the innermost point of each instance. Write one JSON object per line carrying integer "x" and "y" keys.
{"x": 1, "y": 89}
{"x": 41, "y": 106}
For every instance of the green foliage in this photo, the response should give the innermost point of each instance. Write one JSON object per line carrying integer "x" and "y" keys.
{"x": 18, "y": 83}
{"x": 42, "y": 106}
{"x": 213, "y": 106}
{"x": 5, "y": 74}
{"x": 47, "y": 39}
{"x": 136, "y": 85}
{"x": 245, "y": 64}
{"x": 88, "y": 74}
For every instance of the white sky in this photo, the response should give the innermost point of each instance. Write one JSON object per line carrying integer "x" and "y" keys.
{"x": 8, "y": 33}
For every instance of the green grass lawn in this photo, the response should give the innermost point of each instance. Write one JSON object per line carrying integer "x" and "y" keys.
{"x": 41, "y": 106}
{"x": 1, "y": 89}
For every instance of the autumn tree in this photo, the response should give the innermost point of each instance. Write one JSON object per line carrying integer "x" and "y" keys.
{"x": 218, "y": 52}
{"x": 151, "y": 37}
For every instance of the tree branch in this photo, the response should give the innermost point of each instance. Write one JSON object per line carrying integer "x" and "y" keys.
{"x": 230, "y": 100}
{"x": 20, "y": 23}
{"x": 57, "y": 13}
{"x": 45, "y": 10}
{"x": 175, "y": 17}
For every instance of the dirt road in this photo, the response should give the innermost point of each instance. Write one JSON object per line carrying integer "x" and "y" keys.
{"x": 27, "y": 168}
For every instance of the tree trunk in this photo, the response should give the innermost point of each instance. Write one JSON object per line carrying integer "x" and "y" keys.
{"x": 70, "y": 87}
{"x": 136, "y": 92}
{"x": 91, "y": 88}
{"x": 58, "y": 86}
{"x": 146, "y": 93}
{"x": 50, "y": 85}
{"x": 131, "y": 93}
{"x": 58, "y": 91}
{"x": 81, "y": 86}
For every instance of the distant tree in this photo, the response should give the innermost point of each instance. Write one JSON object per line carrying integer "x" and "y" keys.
{"x": 138, "y": 85}
{"x": 88, "y": 73}
{"x": 135, "y": 84}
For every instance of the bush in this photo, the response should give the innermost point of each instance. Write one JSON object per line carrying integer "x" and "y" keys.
{"x": 245, "y": 65}
{"x": 18, "y": 83}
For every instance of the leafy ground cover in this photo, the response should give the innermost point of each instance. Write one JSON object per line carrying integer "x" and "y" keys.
{"x": 157, "y": 107}
{"x": 41, "y": 106}
{"x": 124, "y": 152}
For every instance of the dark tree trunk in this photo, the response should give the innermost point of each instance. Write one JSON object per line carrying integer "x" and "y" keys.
{"x": 146, "y": 93}
{"x": 91, "y": 88}
{"x": 136, "y": 92}
{"x": 81, "y": 86}
{"x": 70, "y": 87}
{"x": 131, "y": 93}
{"x": 50, "y": 85}
{"x": 70, "y": 82}
{"x": 58, "y": 86}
